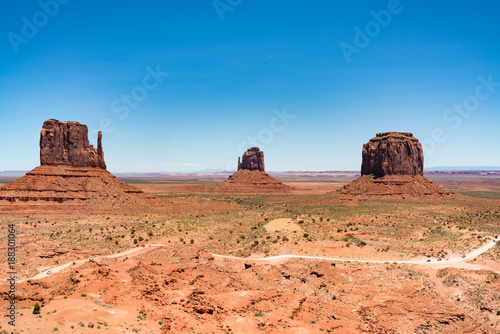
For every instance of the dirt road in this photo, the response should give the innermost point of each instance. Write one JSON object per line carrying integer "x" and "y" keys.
{"x": 456, "y": 262}
{"x": 425, "y": 261}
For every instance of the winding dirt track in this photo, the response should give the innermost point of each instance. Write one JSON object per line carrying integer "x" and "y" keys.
{"x": 457, "y": 262}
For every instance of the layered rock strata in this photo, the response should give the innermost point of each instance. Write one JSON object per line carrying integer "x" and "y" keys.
{"x": 392, "y": 153}
{"x": 253, "y": 159}
{"x": 251, "y": 175}
{"x": 67, "y": 143}
{"x": 72, "y": 172}
{"x": 392, "y": 167}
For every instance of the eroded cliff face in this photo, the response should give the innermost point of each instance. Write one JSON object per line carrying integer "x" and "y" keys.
{"x": 392, "y": 153}
{"x": 72, "y": 176}
{"x": 67, "y": 143}
{"x": 392, "y": 167}
{"x": 251, "y": 176}
{"x": 253, "y": 159}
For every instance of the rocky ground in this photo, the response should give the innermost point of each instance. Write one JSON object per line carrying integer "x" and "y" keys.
{"x": 182, "y": 288}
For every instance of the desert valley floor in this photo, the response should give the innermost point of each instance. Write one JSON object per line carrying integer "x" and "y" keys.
{"x": 202, "y": 260}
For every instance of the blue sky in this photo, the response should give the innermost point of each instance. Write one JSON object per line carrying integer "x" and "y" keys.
{"x": 431, "y": 68}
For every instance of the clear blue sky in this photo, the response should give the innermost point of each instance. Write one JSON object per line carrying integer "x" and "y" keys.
{"x": 232, "y": 66}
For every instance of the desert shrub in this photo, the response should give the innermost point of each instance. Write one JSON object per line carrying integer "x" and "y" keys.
{"x": 443, "y": 272}
{"x": 36, "y": 309}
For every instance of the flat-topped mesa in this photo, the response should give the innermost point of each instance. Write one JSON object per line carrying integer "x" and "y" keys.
{"x": 392, "y": 168}
{"x": 253, "y": 159}
{"x": 392, "y": 153}
{"x": 67, "y": 143}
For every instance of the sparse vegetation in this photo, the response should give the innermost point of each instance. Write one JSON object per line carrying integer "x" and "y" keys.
{"x": 36, "y": 309}
{"x": 387, "y": 230}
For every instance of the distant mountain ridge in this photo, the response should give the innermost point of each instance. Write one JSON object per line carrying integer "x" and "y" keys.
{"x": 222, "y": 173}
{"x": 463, "y": 168}
{"x": 13, "y": 173}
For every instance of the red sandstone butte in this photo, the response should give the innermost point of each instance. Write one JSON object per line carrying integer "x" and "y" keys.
{"x": 393, "y": 153}
{"x": 392, "y": 167}
{"x": 72, "y": 173}
{"x": 251, "y": 175}
{"x": 67, "y": 143}
{"x": 253, "y": 159}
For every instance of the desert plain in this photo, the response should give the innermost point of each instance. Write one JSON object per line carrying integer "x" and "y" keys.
{"x": 202, "y": 260}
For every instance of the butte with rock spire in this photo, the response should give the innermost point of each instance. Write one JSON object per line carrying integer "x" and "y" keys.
{"x": 251, "y": 175}
{"x": 72, "y": 172}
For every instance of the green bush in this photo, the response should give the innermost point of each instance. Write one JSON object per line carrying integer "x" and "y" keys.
{"x": 36, "y": 309}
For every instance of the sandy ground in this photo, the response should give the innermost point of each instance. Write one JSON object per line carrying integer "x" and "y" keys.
{"x": 256, "y": 263}
{"x": 282, "y": 224}
{"x": 285, "y": 224}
